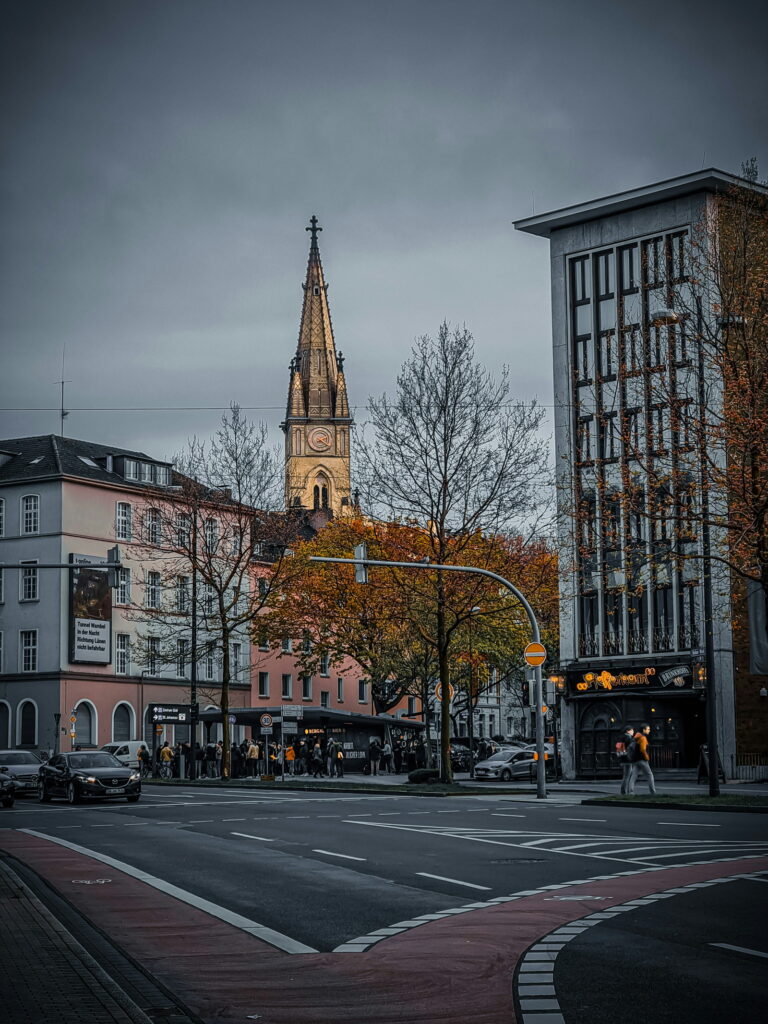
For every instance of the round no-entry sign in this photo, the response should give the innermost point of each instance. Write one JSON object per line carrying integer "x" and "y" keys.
{"x": 535, "y": 654}
{"x": 266, "y": 720}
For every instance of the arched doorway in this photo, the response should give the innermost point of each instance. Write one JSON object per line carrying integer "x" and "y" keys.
{"x": 122, "y": 720}
{"x": 599, "y": 731}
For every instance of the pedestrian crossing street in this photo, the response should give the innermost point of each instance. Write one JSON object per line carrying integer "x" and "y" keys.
{"x": 642, "y": 849}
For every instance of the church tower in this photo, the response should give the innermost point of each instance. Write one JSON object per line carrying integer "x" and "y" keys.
{"x": 317, "y": 422}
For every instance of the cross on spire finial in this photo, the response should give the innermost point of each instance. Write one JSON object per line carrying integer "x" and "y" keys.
{"x": 314, "y": 229}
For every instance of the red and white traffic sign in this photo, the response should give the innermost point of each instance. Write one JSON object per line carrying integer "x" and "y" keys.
{"x": 439, "y": 691}
{"x": 535, "y": 654}
{"x": 265, "y": 720}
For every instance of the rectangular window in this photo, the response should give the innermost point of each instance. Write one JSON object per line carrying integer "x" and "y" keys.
{"x": 263, "y": 640}
{"x": 210, "y": 663}
{"x": 632, "y": 432}
{"x": 147, "y": 473}
{"x": 163, "y": 475}
{"x": 211, "y": 535}
{"x": 263, "y": 587}
{"x": 263, "y": 684}
{"x": 340, "y": 690}
{"x": 411, "y": 706}
{"x": 123, "y": 593}
{"x": 658, "y": 429}
{"x": 610, "y": 438}
{"x": 325, "y": 699}
{"x": 306, "y": 687}
{"x": 287, "y": 645}
{"x": 153, "y": 655}
{"x": 28, "y": 650}
{"x": 580, "y": 282}
{"x": 181, "y": 657}
{"x": 152, "y": 599}
{"x": 685, "y": 426}
{"x": 653, "y": 264}
{"x": 30, "y": 514}
{"x": 236, "y": 668}
{"x": 183, "y": 530}
{"x": 677, "y": 257}
{"x": 632, "y": 355}
{"x": 584, "y": 359}
{"x": 122, "y": 654}
{"x": 605, "y": 274}
{"x": 208, "y": 600}
{"x": 585, "y": 439}
{"x": 286, "y": 686}
{"x": 362, "y": 691}
{"x": 131, "y": 469}
{"x": 123, "y": 520}
{"x": 152, "y": 526}
{"x": 678, "y": 334}
{"x": 182, "y": 594}
{"x": 628, "y": 262}
{"x": 28, "y": 583}
{"x": 608, "y": 355}
{"x": 325, "y": 665}
{"x": 658, "y": 346}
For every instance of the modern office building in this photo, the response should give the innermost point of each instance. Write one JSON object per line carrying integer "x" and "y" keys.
{"x": 633, "y": 622}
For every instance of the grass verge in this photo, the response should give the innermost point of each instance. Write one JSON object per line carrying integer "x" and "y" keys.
{"x": 682, "y": 802}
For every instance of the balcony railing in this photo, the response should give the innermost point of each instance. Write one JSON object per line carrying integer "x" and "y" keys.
{"x": 688, "y": 637}
{"x": 613, "y": 643}
{"x": 663, "y": 640}
{"x": 589, "y": 645}
{"x": 637, "y": 641}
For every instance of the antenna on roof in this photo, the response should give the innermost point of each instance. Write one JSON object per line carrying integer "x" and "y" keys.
{"x": 63, "y": 413}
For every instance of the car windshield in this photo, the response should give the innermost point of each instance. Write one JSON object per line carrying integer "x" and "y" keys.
{"x": 18, "y": 757}
{"x": 98, "y": 760}
{"x": 502, "y": 755}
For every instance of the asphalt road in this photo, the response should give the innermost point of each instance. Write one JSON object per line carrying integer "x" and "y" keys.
{"x": 323, "y": 869}
{"x": 416, "y": 909}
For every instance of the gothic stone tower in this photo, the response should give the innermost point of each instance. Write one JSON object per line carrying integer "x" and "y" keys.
{"x": 317, "y": 422}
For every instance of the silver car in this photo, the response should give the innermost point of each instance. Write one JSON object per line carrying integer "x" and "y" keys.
{"x": 23, "y": 767}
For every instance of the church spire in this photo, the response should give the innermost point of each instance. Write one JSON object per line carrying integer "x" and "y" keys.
{"x": 317, "y": 420}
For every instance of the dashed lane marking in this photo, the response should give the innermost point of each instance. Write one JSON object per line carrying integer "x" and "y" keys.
{"x": 739, "y": 949}
{"x": 261, "y": 839}
{"x": 688, "y": 824}
{"x": 345, "y": 856}
{"x": 259, "y": 931}
{"x": 454, "y": 881}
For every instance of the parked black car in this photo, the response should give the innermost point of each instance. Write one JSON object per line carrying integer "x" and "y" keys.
{"x": 24, "y": 766}
{"x": 7, "y": 789}
{"x": 87, "y": 774}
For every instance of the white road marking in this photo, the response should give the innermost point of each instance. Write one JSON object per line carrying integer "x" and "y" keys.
{"x": 583, "y": 819}
{"x": 200, "y": 821}
{"x": 233, "y": 819}
{"x": 454, "y": 881}
{"x": 688, "y": 824}
{"x": 739, "y": 949}
{"x": 244, "y": 835}
{"x": 500, "y": 814}
{"x": 259, "y": 931}
{"x": 753, "y": 878}
{"x": 346, "y": 856}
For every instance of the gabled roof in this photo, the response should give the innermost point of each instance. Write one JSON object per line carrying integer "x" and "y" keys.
{"x": 710, "y": 180}
{"x": 47, "y": 455}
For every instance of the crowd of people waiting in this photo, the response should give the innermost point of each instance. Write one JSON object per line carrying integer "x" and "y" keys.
{"x": 317, "y": 756}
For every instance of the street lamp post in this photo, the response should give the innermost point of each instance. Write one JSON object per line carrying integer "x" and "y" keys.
{"x": 363, "y": 562}
{"x": 471, "y": 700}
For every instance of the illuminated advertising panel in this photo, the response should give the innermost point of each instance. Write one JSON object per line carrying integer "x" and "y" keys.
{"x": 90, "y": 612}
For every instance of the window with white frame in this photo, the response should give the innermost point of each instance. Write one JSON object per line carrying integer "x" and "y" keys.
{"x": 211, "y": 535}
{"x": 28, "y": 582}
{"x": 182, "y": 656}
{"x": 28, "y": 650}
{"x": 411, "y": 706}
{"x": 362, "y": 691}
{"x": 306, "y": 687}
{"x": 30, "y": 514}
{"x": 131, "y": 469}
{"x": 163, "y": 475}
{"x": 2, "y": 517}
{"x": 153, "y": 655}
{"x": 325, "y": 664}
{"x": 182, "y": 594}
{"x": 236, "y": 661}
{"x": 152, "y": 526}
{"x": 325, "y": 698}
{"x": 209, "y": 599}
{"x": 152, "y": 597}
{"x": 340, "y": 690}
{"x": 183, "y": 530}
{"x": 123, "y": 590}
{"x": 263, "y": 684}
{"x": 210, "y": 663}
{"x": 147, "y": 472}
{"x": 287, "y": 645}
{"x": 123, "y": 520}
{"x": 122, "y": 654}
{"x": 287, "y": 686}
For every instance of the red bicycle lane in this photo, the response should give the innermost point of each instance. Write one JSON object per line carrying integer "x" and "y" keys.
{"x": 451, "y": 970}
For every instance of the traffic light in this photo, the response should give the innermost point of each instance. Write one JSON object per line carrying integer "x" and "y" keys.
{"x": 361, "y": 571}
{"x": 113, "y": 557}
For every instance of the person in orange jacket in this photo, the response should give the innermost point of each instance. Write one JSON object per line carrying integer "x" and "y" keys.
{"x": 641, "y": 761}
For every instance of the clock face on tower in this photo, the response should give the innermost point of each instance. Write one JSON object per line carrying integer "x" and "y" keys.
{"x": 319, "y": 439}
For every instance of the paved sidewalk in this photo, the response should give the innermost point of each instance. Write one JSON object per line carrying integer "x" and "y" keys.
{"x": 46, "y": 974}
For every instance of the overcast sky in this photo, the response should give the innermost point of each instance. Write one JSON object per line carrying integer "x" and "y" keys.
{"x": 161, "y": 159}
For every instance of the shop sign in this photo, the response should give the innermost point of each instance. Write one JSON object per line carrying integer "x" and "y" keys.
{"x": 675, "y": 675}
{"x": 678, "y": 676}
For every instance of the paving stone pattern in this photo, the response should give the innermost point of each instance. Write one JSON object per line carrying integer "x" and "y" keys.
{"x": 46, "y": 974}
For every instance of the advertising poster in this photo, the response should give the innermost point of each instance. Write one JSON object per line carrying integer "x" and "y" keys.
{"x": 90, "y": 613}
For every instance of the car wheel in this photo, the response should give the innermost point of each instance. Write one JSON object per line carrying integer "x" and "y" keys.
{"x": 72, "y": 795}
{"x": 506, "y": 775}
{"x": 133, "y": 799}
{"x": 43, "y": 795}
{"x": 7, "y": 801}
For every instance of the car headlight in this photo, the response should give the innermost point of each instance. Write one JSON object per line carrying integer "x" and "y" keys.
{"x": 86, "y": 778}
{"x": 134, "y": 777}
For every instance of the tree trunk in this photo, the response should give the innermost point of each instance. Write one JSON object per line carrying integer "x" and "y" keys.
{"x": 446, "y": 772}
{"x": 225, "y": 742}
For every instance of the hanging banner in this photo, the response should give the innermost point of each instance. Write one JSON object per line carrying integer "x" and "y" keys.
{"x": 90, "y": 612}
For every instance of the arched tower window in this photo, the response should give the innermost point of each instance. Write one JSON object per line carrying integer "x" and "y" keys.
{"x": 321, "y": 492}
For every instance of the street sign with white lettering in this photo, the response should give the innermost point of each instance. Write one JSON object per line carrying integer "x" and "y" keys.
{"x": 266, "y": 730}
{"x": 292, "y": 711}
{"x": 290, "y": 725}
{"x": 179, "y": 713}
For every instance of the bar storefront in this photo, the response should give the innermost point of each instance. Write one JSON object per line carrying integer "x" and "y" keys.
{"x": 602, "y": 700}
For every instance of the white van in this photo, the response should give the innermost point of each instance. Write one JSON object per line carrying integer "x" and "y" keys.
{"x": 127, "y": 751}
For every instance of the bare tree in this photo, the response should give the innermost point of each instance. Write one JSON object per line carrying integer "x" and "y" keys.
{"x": 213, "y": 547}
{"x": 453, "y": 455}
